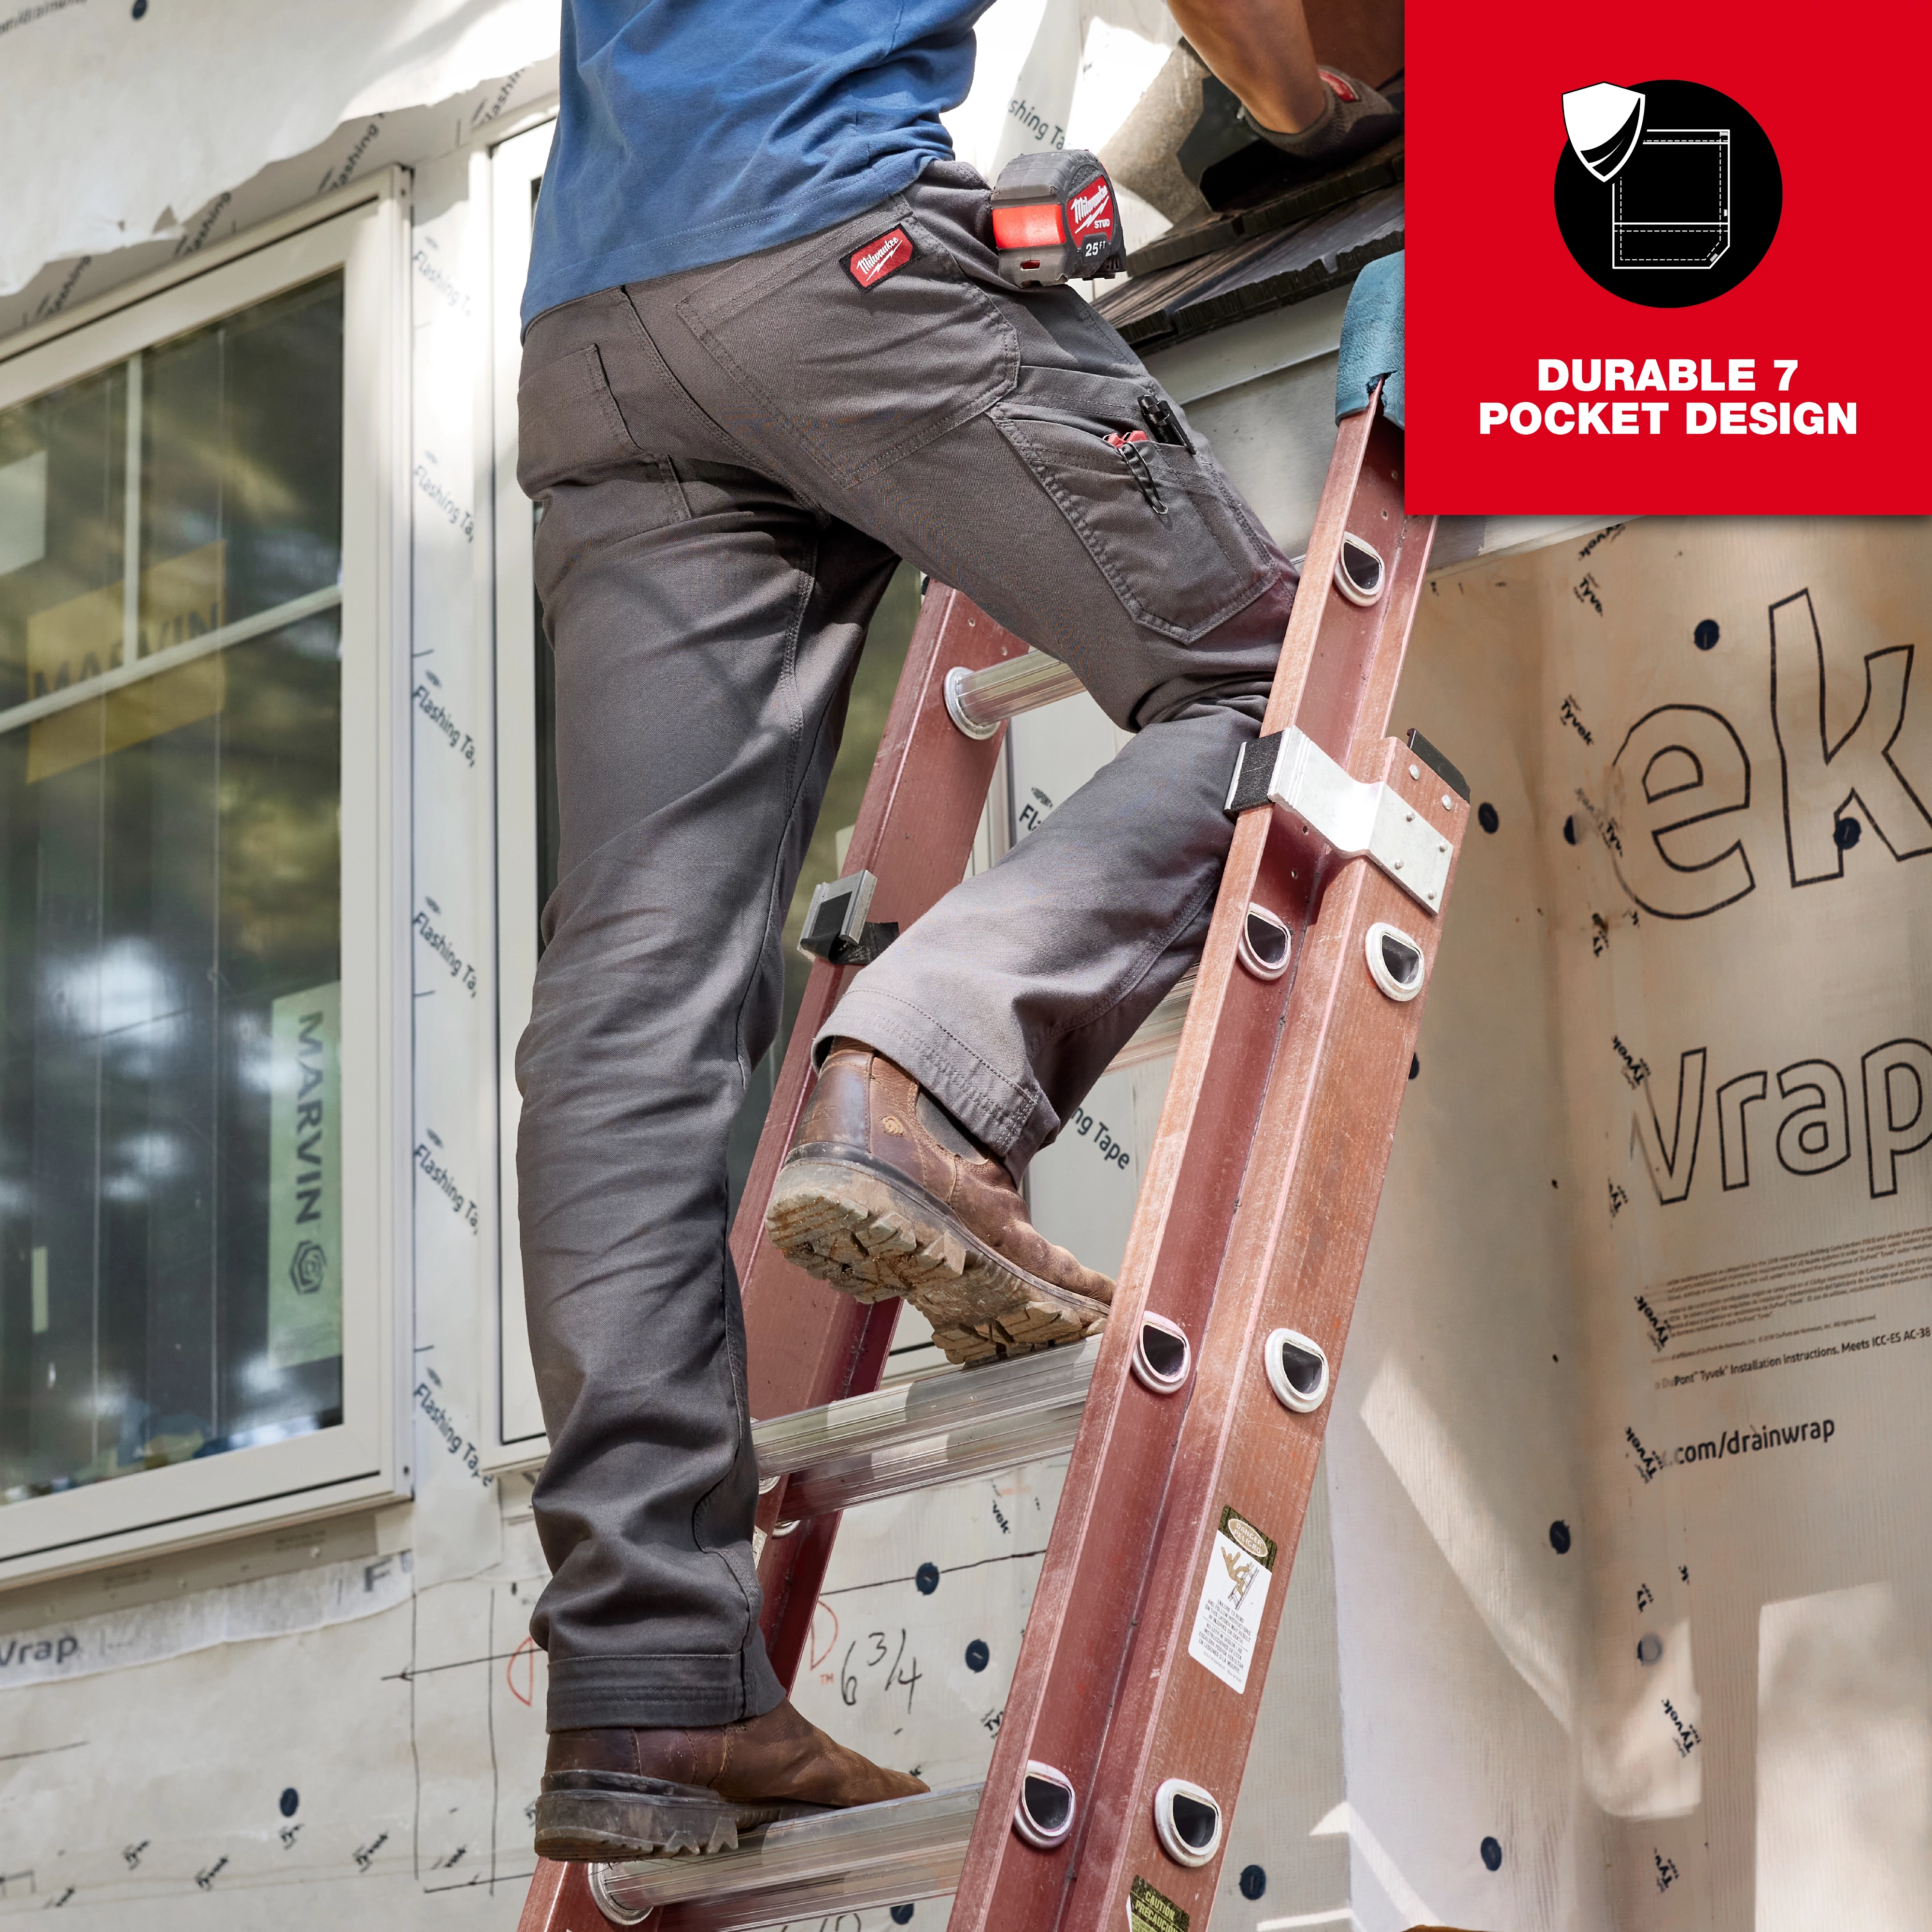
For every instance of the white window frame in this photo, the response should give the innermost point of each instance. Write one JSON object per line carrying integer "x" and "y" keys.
{"x": 513, "y": 1421}
{"x": 365, "y": 232}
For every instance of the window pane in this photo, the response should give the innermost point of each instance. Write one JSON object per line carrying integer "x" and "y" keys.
{"x": 63, "y": 460}
{"x": 170, "y": 1212}
{"x": 241, "y": 466}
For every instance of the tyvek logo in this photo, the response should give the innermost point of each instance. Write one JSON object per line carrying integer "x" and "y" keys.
{"x": 886, "y": 256}
{"x": 1092, "y": 209}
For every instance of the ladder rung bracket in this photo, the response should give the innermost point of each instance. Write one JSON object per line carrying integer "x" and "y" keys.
{"x": 940, "y": 1428}
{"x": 1399, "y": 835}
{"x": 855, "y": 1861}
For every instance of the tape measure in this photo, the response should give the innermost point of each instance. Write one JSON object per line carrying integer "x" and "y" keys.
{"x": 1054, "y": 217}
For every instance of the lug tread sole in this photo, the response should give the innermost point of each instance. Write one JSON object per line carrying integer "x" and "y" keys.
{"x": 871, "y": 1239}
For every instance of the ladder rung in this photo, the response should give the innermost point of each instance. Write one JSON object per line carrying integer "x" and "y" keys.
{"x": 980, "y": 701}
{"x": 872, "y": 1855}
{"x": 937, "y": 1428}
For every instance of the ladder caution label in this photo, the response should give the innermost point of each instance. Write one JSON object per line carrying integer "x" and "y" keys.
{"x": 1148, "y": 1911}
{"x": 1228, "y": 1619}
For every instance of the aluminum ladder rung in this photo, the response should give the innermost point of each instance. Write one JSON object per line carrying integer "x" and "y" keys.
{"x": 872, "y": 1855}
{"x": 936, "y": 1428}
{"x": 979, "y": 702}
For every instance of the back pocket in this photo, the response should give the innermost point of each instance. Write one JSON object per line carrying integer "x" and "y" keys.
{"x": 1158, "y": 518}
{"x": 864, "y": 342}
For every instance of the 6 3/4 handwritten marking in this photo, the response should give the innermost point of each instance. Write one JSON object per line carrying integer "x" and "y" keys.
{"x": 878, "y": 1647}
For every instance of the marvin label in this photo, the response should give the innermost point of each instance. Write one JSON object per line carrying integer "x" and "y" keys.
{"x": 305, "y": 1178}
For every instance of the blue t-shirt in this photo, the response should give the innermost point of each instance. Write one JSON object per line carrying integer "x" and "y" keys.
{"x": 693, "y": 131}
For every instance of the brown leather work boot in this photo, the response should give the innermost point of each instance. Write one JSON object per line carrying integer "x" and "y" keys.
{"x": 626, "y": 1794}
{"x": 883, "y": 1194}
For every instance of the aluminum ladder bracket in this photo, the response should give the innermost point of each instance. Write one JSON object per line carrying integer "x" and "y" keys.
{"x": 1357, "y": 821}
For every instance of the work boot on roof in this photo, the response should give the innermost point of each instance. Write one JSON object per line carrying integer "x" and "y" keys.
{"x": 636, "y": 1794}
{"x": 884, "y": 1193}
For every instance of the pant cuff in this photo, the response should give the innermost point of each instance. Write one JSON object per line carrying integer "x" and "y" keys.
{"x": 661, "y": 1692}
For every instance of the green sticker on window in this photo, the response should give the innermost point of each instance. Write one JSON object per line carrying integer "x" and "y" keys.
{"x": 1148, "y": 1911}
{"x": 305, "y": 1178}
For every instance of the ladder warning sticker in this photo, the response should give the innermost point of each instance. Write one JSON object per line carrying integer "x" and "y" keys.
{"x": 1148, "y": 1911}
{"x": 1228, "y": 1619}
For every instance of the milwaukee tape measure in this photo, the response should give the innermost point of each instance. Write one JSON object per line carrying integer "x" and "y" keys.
{"x": 1054, "y": 217}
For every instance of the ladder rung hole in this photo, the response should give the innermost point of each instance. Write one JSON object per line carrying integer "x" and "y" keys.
{"x": 1363, "y": 566}
{"x": 1359, "y": 570}
{"x": 1403, "y": 961}
{"x": 1187, "y": 1822}
{"x": 1195, "y": 1822}
{"x": 1264, "y": 944}
{"x": 1297, "y": 1370}
{"x": 1049, "y": 1805}
{"x": 1162, "y": 1357}
{"x": 1044, "y": 1816}
{"x": 1395, "y": 961}
{"x": 1304, "y": 1371}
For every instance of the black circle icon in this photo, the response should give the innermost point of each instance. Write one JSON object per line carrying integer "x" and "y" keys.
{"x": 1705, "y": 636}
{"x": 1691, "y": 210}
{"x": 1253, "y": 1881}
{"x": 1559, "y": 1531}
{"x": 977, "y": 1655}
{"x": 926, "y": 1579}
{"x": 1492, "y": 1854}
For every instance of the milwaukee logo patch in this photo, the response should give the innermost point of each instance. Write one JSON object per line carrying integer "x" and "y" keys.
{"x": 1092, "y": 209}
{"x": 870, "y": 265}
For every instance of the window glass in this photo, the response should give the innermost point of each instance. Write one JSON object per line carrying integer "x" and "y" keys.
{"x": 170, "y": 1204}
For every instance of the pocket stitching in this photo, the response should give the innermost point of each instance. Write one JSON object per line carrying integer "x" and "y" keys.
{"x": 1040, "y": 463}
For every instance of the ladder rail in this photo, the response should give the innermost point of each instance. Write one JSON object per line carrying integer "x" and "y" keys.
{"x": 1337, "y": 681}
{"x": 1295, "y": 1259}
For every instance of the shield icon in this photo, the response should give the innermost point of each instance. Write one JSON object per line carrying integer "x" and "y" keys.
{"x": 1604, "y": 122}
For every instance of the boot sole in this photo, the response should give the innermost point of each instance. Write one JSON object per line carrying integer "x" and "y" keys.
{"x": 595, "y": 1824}
{"x": 870, "y": 1237}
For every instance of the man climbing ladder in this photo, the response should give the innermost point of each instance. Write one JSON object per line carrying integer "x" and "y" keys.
{"x": 769, "y": 353}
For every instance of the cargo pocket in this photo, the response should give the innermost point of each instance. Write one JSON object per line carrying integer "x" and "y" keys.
{"x": 1158, "y": 517}
{"x": 863, "y": 343}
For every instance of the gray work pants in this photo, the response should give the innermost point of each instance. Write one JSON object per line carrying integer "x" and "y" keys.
{"x": 730, "y": 461}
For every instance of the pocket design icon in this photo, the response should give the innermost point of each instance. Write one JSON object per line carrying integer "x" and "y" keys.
{"x": 1667, "y": 193}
